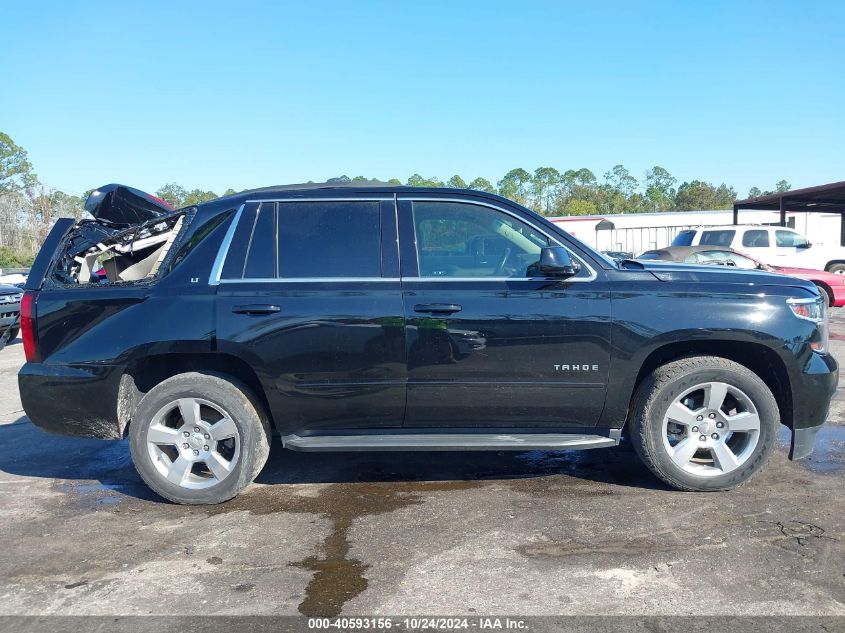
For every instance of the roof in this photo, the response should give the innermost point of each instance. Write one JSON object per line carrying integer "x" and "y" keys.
{"x": 352, "y": 184}
{"x": 823, "y": 198}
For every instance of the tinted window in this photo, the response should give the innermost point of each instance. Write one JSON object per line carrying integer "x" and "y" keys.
{"x": 757, "y": 238}
{"x": 684, "y": 238}
{"x": 717, "y": 238}
{"x": 329, "y": 239}
{"x": 465, "y": 240}
{"x": 649, "y": 255}
{"x": 261, "y": 254}
{"x": 788, "y": 238}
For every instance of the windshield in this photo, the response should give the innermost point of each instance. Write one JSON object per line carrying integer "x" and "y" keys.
{"x": 684, "y": 238}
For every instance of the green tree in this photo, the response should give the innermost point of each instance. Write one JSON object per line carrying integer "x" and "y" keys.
{"x": 418, "y": 181}
{"x": 621, "y": 180}
{"x": 575, "y": 206}
{"x": 229, "y": 192}
{"x": 15, "y": 169}
{"x": 456, "y": 182}
{"x": 545, "y": 185}
{"x": 394, "y": 181}
{"x": 173, "y": 194}
{"x": 659, "y": 189}
{"x": 515, "y": 185}
{"x": 482, "y": 184}
{"x": 781, "y": 186}
{"x": 66, "y": 206}
{"x": 699, "y": 196}
{"x": 754, "y": 192}
{"x": 198, "y": 196}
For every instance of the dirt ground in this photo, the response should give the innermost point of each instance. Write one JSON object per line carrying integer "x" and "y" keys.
{"x": 537, "y": 533}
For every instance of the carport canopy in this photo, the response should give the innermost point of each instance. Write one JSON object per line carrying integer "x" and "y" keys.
{"x": 828, "y": 198}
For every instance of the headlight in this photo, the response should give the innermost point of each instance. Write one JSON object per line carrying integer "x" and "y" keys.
{"x": 812, "y": 310}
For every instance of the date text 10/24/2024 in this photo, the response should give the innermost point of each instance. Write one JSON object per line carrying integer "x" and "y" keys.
{"x": 418, "y": 624}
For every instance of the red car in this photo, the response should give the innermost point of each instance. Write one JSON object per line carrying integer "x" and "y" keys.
{"x": 830, "y": 285}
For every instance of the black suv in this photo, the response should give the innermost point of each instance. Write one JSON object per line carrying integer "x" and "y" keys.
{"x": 379, "y": 317}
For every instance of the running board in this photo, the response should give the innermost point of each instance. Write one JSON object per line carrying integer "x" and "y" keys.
{"x": 447, "y": 442}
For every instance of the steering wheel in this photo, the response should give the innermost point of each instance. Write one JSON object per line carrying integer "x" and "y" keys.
{"x": 500, "y": 269}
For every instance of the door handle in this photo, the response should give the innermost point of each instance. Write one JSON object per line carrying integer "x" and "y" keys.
{"x": 437, "y": 308}
{"x": 256, "y": 308}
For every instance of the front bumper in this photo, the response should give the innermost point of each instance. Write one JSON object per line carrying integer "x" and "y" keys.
{"x": 811, "y": 395}
{"x": 8, "y": 315}
{"x": 79, "y": 400}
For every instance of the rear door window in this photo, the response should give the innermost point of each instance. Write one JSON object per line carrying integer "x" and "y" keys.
{"x": 756, "y": 238}
{"x": 717, "y": 238}
{"x": 330, "y": 239}
{"x": 261, "y": 253}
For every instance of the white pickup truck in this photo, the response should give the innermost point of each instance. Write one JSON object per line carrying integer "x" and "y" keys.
{"x": 774, "y": 245}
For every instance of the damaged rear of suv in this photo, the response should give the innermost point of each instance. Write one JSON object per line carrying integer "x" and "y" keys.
{"x": 89, "y": 316}
{"x": 128, "y": 239}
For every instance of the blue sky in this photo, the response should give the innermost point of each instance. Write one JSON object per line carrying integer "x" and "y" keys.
{"x": 246, "y": 94}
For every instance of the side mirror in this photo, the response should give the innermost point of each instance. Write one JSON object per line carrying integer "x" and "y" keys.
{"x": 555, "y": 261}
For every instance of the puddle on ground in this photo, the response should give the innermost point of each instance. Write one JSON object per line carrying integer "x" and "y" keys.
{"x": 828, "y": 454}
{"x": 337, "y": 578}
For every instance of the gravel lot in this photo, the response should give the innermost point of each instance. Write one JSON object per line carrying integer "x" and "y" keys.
{"x": 450, "y": 533}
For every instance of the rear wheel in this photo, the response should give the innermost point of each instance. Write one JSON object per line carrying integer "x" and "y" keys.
{"x": 198, "y": 438}
{"x": 704, "y": 423}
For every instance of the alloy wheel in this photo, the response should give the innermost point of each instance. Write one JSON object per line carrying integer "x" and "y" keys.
{"x": 193, "y": 443}
{"x": 711, "y": 429}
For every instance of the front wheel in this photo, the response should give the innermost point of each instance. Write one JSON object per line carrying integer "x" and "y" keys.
{"x": 838, "y": 269}
{"x": 198, "y": 438}
{"x": 704, "y": 423}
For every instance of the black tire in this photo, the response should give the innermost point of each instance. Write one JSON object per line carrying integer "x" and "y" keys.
{"x": 668, "y": 382}
{"x": 242, "y": 408}
{"x": 14, "y": 334}
{"x": 825, "y": 295}
{"x": 836, "y": 268}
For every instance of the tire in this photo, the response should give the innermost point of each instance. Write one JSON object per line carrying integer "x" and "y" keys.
{"x": 838, "y": 269}
{"x": 14, "y": 334}
{"x": 692, "y": 387}
{"x": 227, "y": 444}
{"x": 825, "y": 295}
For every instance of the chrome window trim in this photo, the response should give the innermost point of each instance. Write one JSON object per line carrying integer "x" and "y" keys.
{"x": 217, "y": 267}
{"x": 299, "y": 280}
{"x": 220, "y": 260}
{"x": 417, "y": 198}
{"x": 295, "y": 280}
{"x": 386, "y": 198}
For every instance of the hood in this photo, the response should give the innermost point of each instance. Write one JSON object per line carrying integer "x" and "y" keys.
{"x": 9, "y": 290}
{"x": 701, "y": 273}
{"x": 123, "y": 206}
